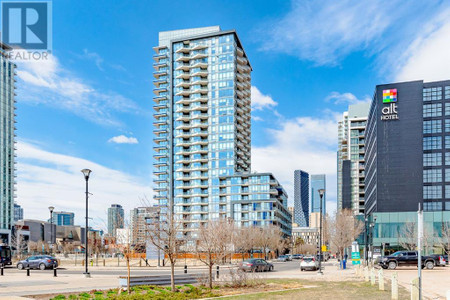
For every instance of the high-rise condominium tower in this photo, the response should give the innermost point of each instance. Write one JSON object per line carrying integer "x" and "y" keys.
{"x": 202, "y": 131}
{"x": 301, "y": 198}
{"x": 115, "y": 218}
{"x": 351, "y": 160}
{"x": 317, "y": 182}
{"x": 7, "y": 155}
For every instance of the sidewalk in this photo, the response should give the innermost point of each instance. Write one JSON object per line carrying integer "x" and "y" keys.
{"x": 18, "y": 284}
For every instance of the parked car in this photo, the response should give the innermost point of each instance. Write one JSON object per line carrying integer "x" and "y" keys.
{"x": 309, "y": 263}
{"x": 255, "y": 265}
{"x": 37, "y": 262}
{"x": 405, "y": 258}
{"x": 297, "y": 256}
{"x": 439, "y": 260}
{"x": 283, "y": 258}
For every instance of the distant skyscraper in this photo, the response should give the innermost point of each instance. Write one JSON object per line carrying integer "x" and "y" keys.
{"x": 351, "y": 160}
{"x": 18, "y": 212}
{"x": 202, "y": 134}
{"x": 301, "y": 198}
{"x": 7, "y": 156}
{"x": 115, "y": 218}
{"x": 317, "y": 182}
{"x": 63, "y": 218}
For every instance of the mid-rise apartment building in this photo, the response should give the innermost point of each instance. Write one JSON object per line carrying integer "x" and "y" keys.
{"x": 7, "y": 153}
{"x": 351, "y": 163}
{"x": 18, "y": 212}
{"x": 63, "y": 218}
{"x": 202, "y": 123}
{"x": 142, "y": 220}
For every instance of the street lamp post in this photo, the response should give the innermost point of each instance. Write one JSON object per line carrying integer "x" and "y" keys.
{"x": 321, "y": 193}
{"x": 86, "y": 173}
{"x": 51, "y": 208}
{"x": 365, "y": 239}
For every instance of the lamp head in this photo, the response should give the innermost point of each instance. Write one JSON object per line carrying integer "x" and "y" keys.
{"x": 51, "y": 208}
{"x": 86, "y": 173}
{"x": 321, "y": 192}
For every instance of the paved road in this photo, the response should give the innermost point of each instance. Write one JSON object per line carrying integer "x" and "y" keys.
{"x": 122, "y": 271}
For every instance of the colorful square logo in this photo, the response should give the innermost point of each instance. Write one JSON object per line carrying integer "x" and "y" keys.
{"x": 389, "y": 96}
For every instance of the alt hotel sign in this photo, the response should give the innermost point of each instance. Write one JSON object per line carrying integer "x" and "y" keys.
{"x": 389, "y": 109}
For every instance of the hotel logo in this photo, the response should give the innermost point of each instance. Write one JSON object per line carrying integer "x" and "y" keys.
{"x": 390, "y": 111}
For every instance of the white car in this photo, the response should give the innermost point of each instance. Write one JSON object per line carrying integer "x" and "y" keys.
{"x": 309, "y": 263}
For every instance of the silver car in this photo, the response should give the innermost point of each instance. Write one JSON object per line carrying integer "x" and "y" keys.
{"x": 309, "y": 263}
{"x": 38, "y": 262}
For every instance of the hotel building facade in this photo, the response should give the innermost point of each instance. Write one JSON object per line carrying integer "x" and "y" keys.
{"x": 408, "y": 158}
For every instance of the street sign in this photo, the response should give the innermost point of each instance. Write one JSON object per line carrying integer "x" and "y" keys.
{"x": 324, "y": 248}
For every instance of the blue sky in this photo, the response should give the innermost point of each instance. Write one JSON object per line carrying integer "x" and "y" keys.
{"x": 90, "y": 105}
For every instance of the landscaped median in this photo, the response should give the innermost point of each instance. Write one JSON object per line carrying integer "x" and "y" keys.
{"x": 254, "y": 289}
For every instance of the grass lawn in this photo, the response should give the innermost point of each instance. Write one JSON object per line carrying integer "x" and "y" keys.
{"x": 312, "y": 290}
{"x": 257, "y": 290}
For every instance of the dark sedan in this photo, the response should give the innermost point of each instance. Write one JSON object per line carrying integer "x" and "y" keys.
{"x": 255, "y": 265}
{"x": 37, "y": 262}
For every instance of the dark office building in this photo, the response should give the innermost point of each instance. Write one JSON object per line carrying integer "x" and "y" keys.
{"x": 301, "y": 198}
{"x": 346, "y": 185}
{"x": 408, "y": 155}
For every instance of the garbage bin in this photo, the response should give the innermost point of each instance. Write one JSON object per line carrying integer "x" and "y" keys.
{"x": 344, "y": 264}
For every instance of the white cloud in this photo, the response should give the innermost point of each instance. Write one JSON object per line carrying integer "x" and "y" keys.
{"x": 326, "y": 31}
{"x": 303, "y": 143}
{"x": 46, "y": 82}
{"x": 95, "y": 57}
{"x": 256, "y": 118}
{"x": 261, "y": 101}
{"x": 121, "y": 139}
{"x": 428, "y": 56}
{"x": 345, "y": 98}
{"x": 46, "y": 178}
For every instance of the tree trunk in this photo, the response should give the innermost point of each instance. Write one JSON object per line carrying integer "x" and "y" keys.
{"x": 128, "y": 274}
{"x": 172, "y": 275}
{"x": 210, "y": 276}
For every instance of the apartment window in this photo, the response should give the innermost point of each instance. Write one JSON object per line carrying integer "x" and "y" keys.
{"x": 447, "y": 175}
{"x": 432, "y": 143}
{"x": 432, "y": 126}
{"x": 447, "y": 191}
{"x": 447, "y": 109}
{"x": 432, "y": 94}
{"x": 447, "y": 205}
{"x": 447, "y": 92}
{"x": 447, "y": 125}
{"x": 432, "y": 159}
{"x": 432, "y": 192}
{"x": 433, "y": 175}
{"x": 432, "y": 206}
{"x": 447, "y": 142}
{"x": 432, "y": 110}
{"x": 447, "y": 158}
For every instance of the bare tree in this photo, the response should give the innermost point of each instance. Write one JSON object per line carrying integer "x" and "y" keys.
{"x": 444, "y": 240}
{"x": 270, "y": 238}
{"x": 408, "y": 236}
{"x": 343, "y": 229}
{"x": 215, "y": 241}
{"x": 18, "y": 242}
{"x": 245, "y": 240}
{"x": 166, "y": 235}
